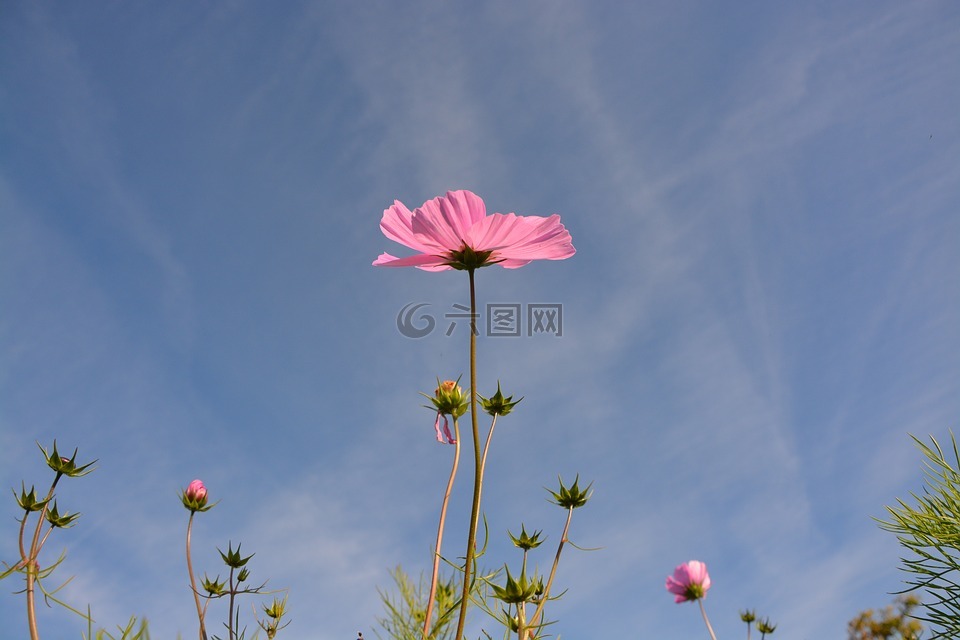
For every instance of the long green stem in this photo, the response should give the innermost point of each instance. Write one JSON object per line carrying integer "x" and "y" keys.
{"x": 470, "y": 555}
{"x": 231, "y": 633}
{"x": 440, "y": 528}
{"x": 553, "y": 572}
{"x": 193, "y": 582}
{"x": 486, "y": 447}
{"x": 32, "y": 566}
{"x": 705, "y": 619}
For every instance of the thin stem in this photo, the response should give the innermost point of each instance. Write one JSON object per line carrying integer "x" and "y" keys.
{"x": 705, "y": 619}
{"x": 32, "y": 566}
{"x": 233, "y": 594}
{"x": 193, "y": 581}
{"x": 486, "y": 447}
{"x": 32, "y": 569}
{"x": 478, "y": 464}
{"x": 23, "y": 527}
{"x": 553, "y": 572}
{"x": 440, "y": 528}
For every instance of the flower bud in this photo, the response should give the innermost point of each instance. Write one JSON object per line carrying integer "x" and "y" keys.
{"x": 573, "y": 497}
{"x": 194, "y": 498}
{"x": 497, "y": 404}
{"x": 232, "y": 558}
{"x": 525, "y": 541}
{"x": 213, "y": 587}
{"x": 65, "y": 466}
{"x": 518, "y": 590}
{"x": 276, "y": 609}
{"x": 28, "y": 501}
{"x": 60, "y": 521}
{"x": 450, "y": 399}
{"x": 764, "y": 626}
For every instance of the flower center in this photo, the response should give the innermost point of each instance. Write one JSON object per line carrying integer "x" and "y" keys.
{"x": 466, "y": 259}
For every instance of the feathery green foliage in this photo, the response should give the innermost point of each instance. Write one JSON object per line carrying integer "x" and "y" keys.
{"x": 930, "y": 531}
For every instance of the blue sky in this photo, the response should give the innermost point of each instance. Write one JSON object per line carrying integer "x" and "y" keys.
{"x": 764, "y": 199}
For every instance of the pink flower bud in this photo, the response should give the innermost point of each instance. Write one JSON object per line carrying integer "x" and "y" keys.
{"x": 196, "y": 491}
{"x": 195, "y": 497}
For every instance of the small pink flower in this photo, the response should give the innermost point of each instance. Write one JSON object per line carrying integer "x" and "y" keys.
{"x": 455, "y": 232}
{"x": 690, "y": 581}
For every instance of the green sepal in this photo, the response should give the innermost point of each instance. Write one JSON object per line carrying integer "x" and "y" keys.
{"x": 28, "y": 501}
{"x": 232, "y": 558}
{"x": 66, "y": 466}
{"x": 497, "y": 404}
{"x": 572, "y": 497}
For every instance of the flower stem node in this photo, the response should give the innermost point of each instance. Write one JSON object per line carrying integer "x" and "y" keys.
{"x": 232, "y": 558}
{"x": 526, "y": 541}
{"x": 497, "y": 404}
{"x": 66, "y": 466}
{"x": 572, "y": 497}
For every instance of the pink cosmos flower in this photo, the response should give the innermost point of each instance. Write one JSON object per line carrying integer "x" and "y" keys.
{"x": 455, "y": 232}
{"x": 690, "y": 581}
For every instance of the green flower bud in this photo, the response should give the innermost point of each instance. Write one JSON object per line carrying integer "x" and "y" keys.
{"x": 573, "y": 497}
{"x": 449, "y": 398}
{"x": 61, "y": 521}
{"x": 243, "y": 575}
{"x": 764, "y": 626}
{"x": 748, "y": 616}
{"x": 213, "y": 587}
{"x": 519, "y": 590}
{"x": 526, "y": 542}
{"x": 65, "y": 466}
{"x": 497, "y": 404}
{"x": 28, "y": 501}
{"x": 277, "y": 609}
{"x": 232, "y": 558}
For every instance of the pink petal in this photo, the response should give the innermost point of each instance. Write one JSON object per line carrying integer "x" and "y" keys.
{"x": 445, "y": 436}
{"x": 446, "y": 432}
{"x": 445, "y": 221}
{"x": 423, "y": 261}
{"x": 396, "y": 224}
{"x": 522, "y": 238}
